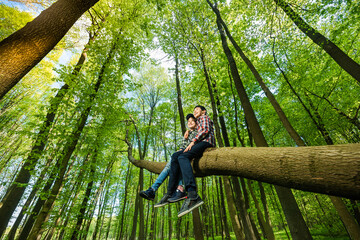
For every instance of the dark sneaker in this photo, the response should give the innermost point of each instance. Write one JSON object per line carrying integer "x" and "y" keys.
{"x": 164, "y": 201}
{"x": 148, "y": 194}
{"x": 178, "y": 196}
{"x": 189, "y": 205}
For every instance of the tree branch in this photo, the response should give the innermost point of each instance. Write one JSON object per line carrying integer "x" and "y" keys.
{"x": 332, "y": 170}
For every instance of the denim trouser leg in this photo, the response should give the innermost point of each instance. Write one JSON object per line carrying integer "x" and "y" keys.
{"x": 175, "y": 173}
{"x": 184, "y": 161}
{"x": 162, "y": 176}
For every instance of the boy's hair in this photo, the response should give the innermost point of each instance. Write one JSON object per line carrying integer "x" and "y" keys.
{"x": 201, "y": 107}
{"x": 190, "y": 115}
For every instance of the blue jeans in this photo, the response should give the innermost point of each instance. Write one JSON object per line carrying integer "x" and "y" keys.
{"x": 162, "y": 176}
{"x": 181, "y": 167}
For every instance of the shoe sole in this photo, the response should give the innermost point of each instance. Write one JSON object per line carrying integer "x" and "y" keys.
{"x": 161, "y": 205}
{"x": 176, "y": 200}
{"x": 190, "y": 209}
{"x": 143, "y": 195}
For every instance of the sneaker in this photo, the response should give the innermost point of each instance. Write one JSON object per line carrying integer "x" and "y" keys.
{"x": 178, "y": 196}
{"x": 164, "y": 201}
{"x": 148, "y": 194}
{"x": 189, "y": 205}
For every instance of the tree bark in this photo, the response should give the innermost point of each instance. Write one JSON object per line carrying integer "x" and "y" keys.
{"x": 226, "y": 232}
{"x": 269, "y": 234}
{"x": 127, "y": 183}
{"x": 344, "y": 61}
{"x": 232, "y": 210}
{"x": 25, "y": 48}
{"x": 239, "y": 200}
{"x": 178, "y": 91}
{"x": 84, "y": 204}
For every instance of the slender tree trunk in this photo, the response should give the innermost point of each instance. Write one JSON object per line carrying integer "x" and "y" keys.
{"x": 232, "y": 210}
{"x": 295, "y": 220}
{"x": 26, "y": 206}
{"x": 101, "y": 213}
{"x": 281, "y": 215}
{"x": 141, "y": 207}
{"x": 269, "y": 234}
{"x": 198, "y": 230}
{"x": 213, "y": 106}
{"x": 240, "y": 203}
{"x": 136, "y": 212}
{"x": 17, "y": 53}
{"x": 351, "y": 226}
{"x": 40, "y": 202}
{"x": 127, "y": 179}
{"x": 223, "y": 212}
{"x": 264, "y": 202}
{"x": 178, "y": 90}
{"x": 81, "y": 215}
{"x": 344, "y": 61}
{"x": 356, "y": 211}
{"x": 231, "y": 204}
{"x": 247, "y": 207}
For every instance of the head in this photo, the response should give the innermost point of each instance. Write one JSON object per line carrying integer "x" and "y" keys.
{"x": 199, "y": 111}
{"x": 191, "y": 121}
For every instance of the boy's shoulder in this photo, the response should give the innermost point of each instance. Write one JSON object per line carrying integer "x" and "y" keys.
{"x": 203, "y": 117}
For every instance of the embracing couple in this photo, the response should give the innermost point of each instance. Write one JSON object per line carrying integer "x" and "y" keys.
{"x": 199, "y": 137}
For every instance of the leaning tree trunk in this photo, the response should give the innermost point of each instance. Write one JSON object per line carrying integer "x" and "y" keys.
{"x": 17, "y": 52}
{"x": 344, "y": 61}
{"x": 16, "y": 190}
{"x": 292, "y": 212}
{"x": 84, "y": 204}
{"x": 127, "y": 183}
{"x": 226, "y": 183}
{"x": 11, "y": 234}
{"x": 267, "y": 230}
{"x": 178, "y": 91}
{"x": 283, "y": 118}
{"x": 226, "y": 232}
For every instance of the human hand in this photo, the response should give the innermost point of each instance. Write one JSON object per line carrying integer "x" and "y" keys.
{"x": 186, "y": 134}
{"x": 189, "y": 147}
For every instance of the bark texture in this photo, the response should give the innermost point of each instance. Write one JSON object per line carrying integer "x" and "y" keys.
{"x": 25, "y": 48}
{"x": 332, "y": 170}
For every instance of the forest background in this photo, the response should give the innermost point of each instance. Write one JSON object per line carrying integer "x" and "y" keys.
{"x": 71, "y": 131}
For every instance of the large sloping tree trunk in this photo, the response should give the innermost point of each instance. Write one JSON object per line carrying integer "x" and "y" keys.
{"x": 331, "y": 169}
{"x": 25, "y": 48}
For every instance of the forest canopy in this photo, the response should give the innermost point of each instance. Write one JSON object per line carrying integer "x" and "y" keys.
{"x": 93, "y": 99}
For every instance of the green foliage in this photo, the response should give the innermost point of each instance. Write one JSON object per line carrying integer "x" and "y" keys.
{"x": 11, "y": 20}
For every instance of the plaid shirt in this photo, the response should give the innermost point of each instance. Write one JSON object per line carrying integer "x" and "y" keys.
{"x": 205, "y": 129}
{"x": 187, "y": 141}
